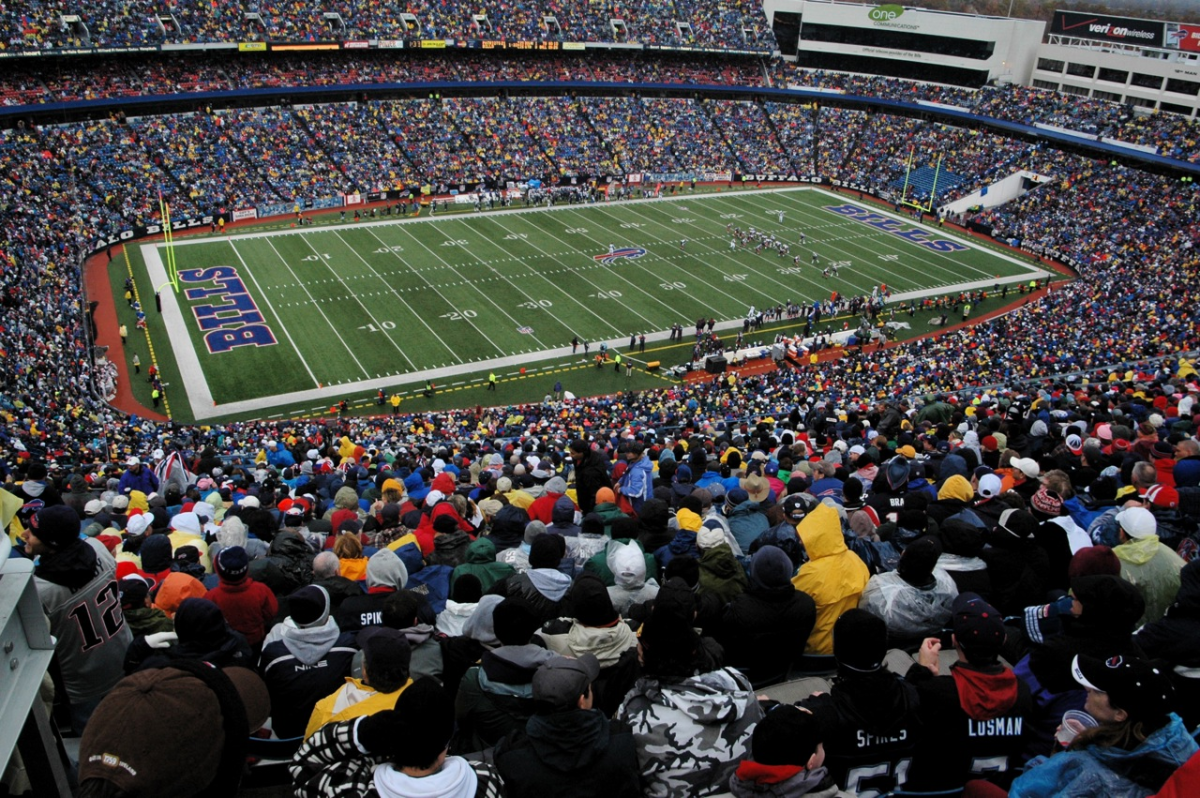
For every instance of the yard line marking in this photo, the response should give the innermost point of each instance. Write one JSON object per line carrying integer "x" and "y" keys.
{"x": 300, "y": 283}
{"x": 434, "y": 287}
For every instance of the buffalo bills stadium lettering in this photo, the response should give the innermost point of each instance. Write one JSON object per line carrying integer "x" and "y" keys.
{"x": 233, "y": 319}
{"x": 896, "y": 227}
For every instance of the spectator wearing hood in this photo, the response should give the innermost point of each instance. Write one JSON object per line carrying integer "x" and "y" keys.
{"x": 449, "y": 543}
{"x": 201, "y": 633}
{"x": 495, "y": 697}
{"x": 976, "y": 719}
{"x": 287, "y": 566}
{"x": 543, "y": 506}
{"x": 304, "y": 658}
{"x": 722, "y": 578}
{"x": 141, "y": 618}
{"x": 508, "y": 528}
{"x": 187, "y": 530}
{"x": 954, "y": 496}
{"x": 248, "y": 606}
{"x": 1017, "y": 566}
{"x": 481, "y": 565}
{"x": 569, "y": 746}
{"x": 765, "y": 628}
{"x": 562, "y": 518}
{"x": 1146, "y": 563}
{"x": 745, "y": 509}
{"x": 385, "y": 575}
{"x": 691, "y": 723}
{"x": 174, "y": 589}
{"x": 834, "y": 576}
{"x": 889, "y": 493}
{"x": 628, "y": 565}
{"x": 962, "y": 544}
{"x": 385, "y": 665}
{"x": 596, "y": 629}
{"x": 870, "y": 715}
{"x": 78, "y": 494}
{"x": 543, "y": 587}
{"x": 684, "y": 542}
{"x": 915, "y": 599}
{"x": 681, "y": 484}
{"x": 478, "y": 635}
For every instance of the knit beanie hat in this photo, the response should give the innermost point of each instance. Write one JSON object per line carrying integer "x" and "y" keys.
{"x": 309, "y": 606}
{"x": 514, "y": 622}
{"x": 771, "y": 567}
{"x": 860, "y": 641}
{"x": 233, "y": 564}
{"x": 534, "y": 530}
{"x": 1047, "y": 502}
{"x": 56, "y": 526}
{"x": 786, "y": 736}
{"x": 593, "y": 606}
{"x": 918, "y": 561}
{"x": 156, "y": 554}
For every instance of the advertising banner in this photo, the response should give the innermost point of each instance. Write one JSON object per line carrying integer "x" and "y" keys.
{"x": 1183, "y": 37}
{"x": 245, "y": 213}
{"x": 1119, "y": 30}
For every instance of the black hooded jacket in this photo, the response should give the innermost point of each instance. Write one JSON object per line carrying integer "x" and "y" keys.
{"x": 576, "y": 752}
{"x": 203, "y": 635}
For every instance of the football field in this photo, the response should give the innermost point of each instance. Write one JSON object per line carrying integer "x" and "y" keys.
{"x": 315, "y": 314}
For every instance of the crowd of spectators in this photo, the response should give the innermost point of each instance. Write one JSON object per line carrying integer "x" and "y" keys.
{"x": 39, "y": 25}
{"x": 1068, "y": 388}
{"x": 987, "y": 589}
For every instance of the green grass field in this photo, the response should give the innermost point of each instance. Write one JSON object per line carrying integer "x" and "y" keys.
{"x": 284, "y": 321}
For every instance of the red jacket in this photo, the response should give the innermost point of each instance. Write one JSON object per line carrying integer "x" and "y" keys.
{"x": 542, "y": 508}
{"x": 248, "y": 606}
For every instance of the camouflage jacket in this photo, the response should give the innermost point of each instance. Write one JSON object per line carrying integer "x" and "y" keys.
{"x": 331, "y": 764}
{"x": 691, "y": 735}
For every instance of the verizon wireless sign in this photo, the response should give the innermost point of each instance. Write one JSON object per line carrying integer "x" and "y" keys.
{"x": 1118, "y": 30}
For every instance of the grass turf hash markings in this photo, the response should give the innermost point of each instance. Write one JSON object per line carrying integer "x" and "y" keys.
{"x": 378, "y": 304}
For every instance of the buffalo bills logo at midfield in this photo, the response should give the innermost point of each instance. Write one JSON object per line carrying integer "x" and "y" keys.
{"x": 624, "y": 252}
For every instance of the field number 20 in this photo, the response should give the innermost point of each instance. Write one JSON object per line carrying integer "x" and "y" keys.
{"x": 459, "y": 315}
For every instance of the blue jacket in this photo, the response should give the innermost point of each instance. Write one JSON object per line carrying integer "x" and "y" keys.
{"x": 1093, "y": 771}
{"x": 747, "y": 522}
{"x": 146, "y": 481}
{"x": 638, "y": 482}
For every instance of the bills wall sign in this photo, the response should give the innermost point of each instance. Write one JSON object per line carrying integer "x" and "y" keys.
{"x": 896, "y": 227}
{"x": 231, "y": 318}
{"x": 626, "y": 252}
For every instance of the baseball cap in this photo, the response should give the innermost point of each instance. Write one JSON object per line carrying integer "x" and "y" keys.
{"x": 978, "y": 626}
{"x": 1138, "y": 522}
{"x": 798, "y": 505}
{"x": 990, "y": 486}
{"x": 1027, "y": 466}
{"x": 559, "y": 682}
{"x": 1136, "y": 686}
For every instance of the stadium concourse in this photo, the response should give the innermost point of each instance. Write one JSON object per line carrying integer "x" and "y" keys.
{"x": 965, "y": 536}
